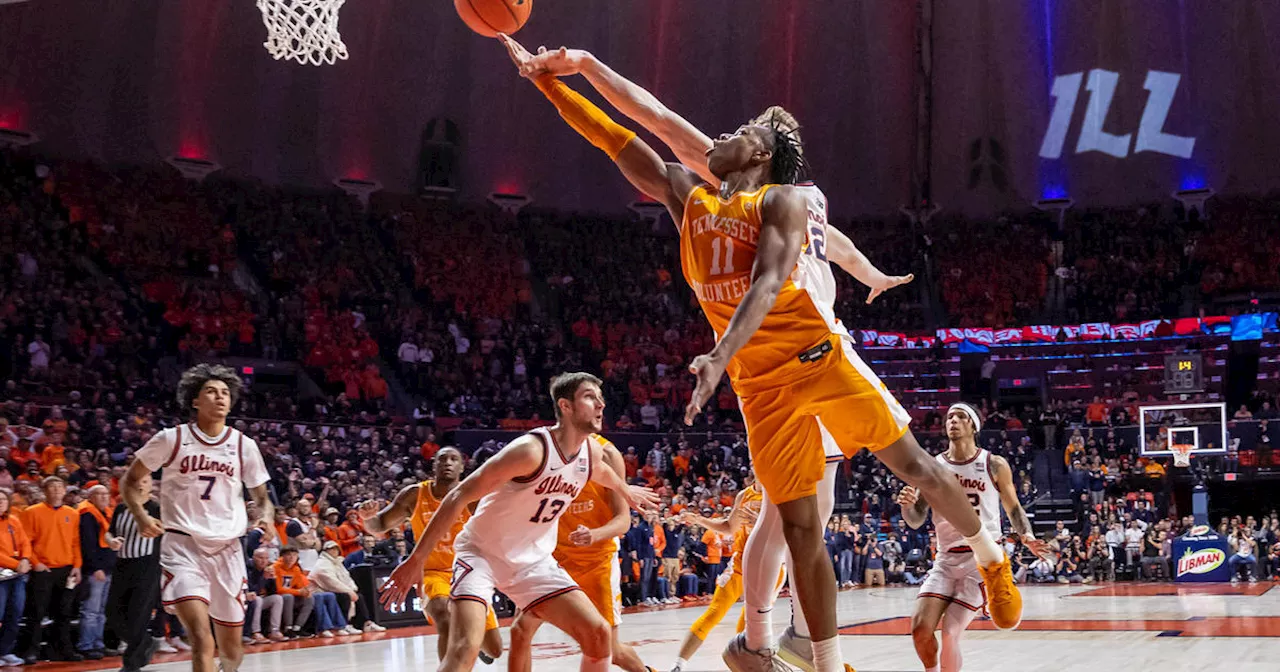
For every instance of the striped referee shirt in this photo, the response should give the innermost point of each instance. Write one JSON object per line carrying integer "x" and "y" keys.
{"x": 135, "y": 546}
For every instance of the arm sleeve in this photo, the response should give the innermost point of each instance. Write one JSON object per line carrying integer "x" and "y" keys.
{"x": 158, "y": 450}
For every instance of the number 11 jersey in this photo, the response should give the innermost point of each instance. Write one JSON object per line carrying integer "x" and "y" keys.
{"x": 718, "y": 243}
{"x": 515, "y": 525}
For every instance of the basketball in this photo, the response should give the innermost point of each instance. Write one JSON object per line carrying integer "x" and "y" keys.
{"x": 490, "y": 17}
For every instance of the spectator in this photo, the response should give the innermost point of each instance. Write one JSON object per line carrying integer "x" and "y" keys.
{"x": 54, "y": 529}
{"x": 15, "y": 566}
{"x": 1242, "y": 562}
{"x": 291, "y": 581}
{"x": 98, "y": 552}
{"x": 875, "y": 564}
{"x": 261, "y": 598}
{"x": 331, "y": 576}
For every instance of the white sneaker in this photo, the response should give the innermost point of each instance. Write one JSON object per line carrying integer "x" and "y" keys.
{"x": 163, "y": 646}
{"x": 351, "y": 630}
{"x": 741, "y": 659}
{"x": 370, "y": 626}
{"x": 177, "y": 643}
{"x": 796, "y": 650}
{"x": 12, "y": 661}
{"x": 325, "y": 634}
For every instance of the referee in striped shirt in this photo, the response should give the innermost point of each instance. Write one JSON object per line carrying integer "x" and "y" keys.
{"x": 135, "y": 583}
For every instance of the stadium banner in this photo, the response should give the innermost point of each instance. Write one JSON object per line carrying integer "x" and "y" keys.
{"x": 1200, "y": 556}
{"x": 1096, "y": 332}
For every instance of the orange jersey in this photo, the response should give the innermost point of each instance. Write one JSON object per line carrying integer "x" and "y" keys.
{"x": 752, "y": 500}
{"x": 441, "y": 559}
{"x": 592, "y": 510}
{"x": 718, "y": 242}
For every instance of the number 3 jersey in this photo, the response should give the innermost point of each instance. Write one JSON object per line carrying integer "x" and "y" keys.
{"x": 718, "y": 242}
{"x": 516, "y": 524}
{"x": 203, "y": 479}
{"x": 974, "y": 477}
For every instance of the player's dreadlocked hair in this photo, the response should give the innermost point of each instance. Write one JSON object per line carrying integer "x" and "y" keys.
{"x": 788, "y": 149}
{"x": 194, "y": 378}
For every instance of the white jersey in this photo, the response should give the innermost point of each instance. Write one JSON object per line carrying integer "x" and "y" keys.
{"x": 976, "y": 481}
{"x": 516, "y": 524}
{"x": 813, "y": 270}
{"x": 202, "y": 481}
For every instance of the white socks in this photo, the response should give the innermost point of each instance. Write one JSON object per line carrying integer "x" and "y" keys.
{"x": 680, "y": 663}
{"x": 935, "y": 668}
{"x": 826, "y": 655}
{"x": 984, "y": 548}
{"x": 759, "y": 629}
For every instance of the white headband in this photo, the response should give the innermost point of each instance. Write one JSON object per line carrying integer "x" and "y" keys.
{"x": 969, "y": 411}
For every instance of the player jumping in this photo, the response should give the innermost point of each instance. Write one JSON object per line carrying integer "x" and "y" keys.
{"x": 952, "y": 593}
{"x": 508, "y": 543}
{"x": 751, "y": 258}
{"x": 206, "y": 466}
{"x": 418, "y": 503}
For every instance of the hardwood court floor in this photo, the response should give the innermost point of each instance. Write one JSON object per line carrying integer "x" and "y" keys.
{"x": 1157, "y": 627}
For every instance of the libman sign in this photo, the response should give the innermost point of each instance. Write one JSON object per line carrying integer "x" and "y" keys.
{"x": 1201, "y": 562}
{"x": 1201, "y": 556}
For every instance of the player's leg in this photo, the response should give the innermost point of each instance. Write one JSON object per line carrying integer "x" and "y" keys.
{"x": 573, "y": 613}
{"x": 465, "y": 633}
{"x": 226, "y": 572}
{"x": 924, "y": 622}
{"x": 491, "y": 644}
{"x": 722, "y": 600}
{"x": 520, "y": 659}
{"x": 194, "y": 615}
{"x": 438, "y": 612}
{"x": 954, "y": 623}
{"x": 795, "y": 645}
{"x": 602, "y": 584}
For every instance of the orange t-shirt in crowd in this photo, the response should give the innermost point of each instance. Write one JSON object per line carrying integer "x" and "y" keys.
{"x": 659, "y": 540}
{"x": 55, "y": 534}
{"x": 429, "y": 450}
{"x": 14, "y": 543}
{"x": 681, "y": 464}
{"x": 1096, "y": 412}
{"x": 712, "y": 540}
{"x": 348, "y": 538}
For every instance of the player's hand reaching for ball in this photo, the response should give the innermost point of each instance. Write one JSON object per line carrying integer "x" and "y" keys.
{"x": 561, "y": 62}
{"x": 708, "y": 371}
{"x": 150, "y": 527}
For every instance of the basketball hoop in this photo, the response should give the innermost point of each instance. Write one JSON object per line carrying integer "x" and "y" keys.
{"x": 1182, "y": 454}
{"x": 305, "y": 31}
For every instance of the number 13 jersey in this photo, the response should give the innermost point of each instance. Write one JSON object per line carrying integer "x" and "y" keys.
{"x": 516, "y": 524}
{"x": 202, "y": 481}
{"x": 718, "y": 243}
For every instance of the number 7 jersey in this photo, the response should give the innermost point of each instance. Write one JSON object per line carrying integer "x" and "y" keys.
{"x": 202, "y": 481}
{"x": 515, "y": 526}
{"x": 718, "y": 243}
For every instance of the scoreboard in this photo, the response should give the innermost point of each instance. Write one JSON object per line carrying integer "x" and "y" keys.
{"x": 1183, "y": 374}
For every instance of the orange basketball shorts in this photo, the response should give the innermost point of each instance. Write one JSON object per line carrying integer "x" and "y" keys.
{"x": 791, "y": 424}
{"x": 602, "y": 583}
{"x": 435, "y": 584}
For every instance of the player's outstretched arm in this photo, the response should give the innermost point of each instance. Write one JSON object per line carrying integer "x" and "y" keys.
{"x": 1003, "y": 475}
{"x": 610, "y": 476}
{"x": 846, "y": 255}
{"x": 519, "y": 459}
{"x": 379, "y": 521}
{"x": 689, "y": 144}
{"x": 914, "y": 507}
{"x": 667, "y": 183}
{"x": 784, "y": 219}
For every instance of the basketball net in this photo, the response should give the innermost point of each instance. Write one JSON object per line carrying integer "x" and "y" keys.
{"x": 1182, "y": 454}
{"x": 305, "y": 31}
